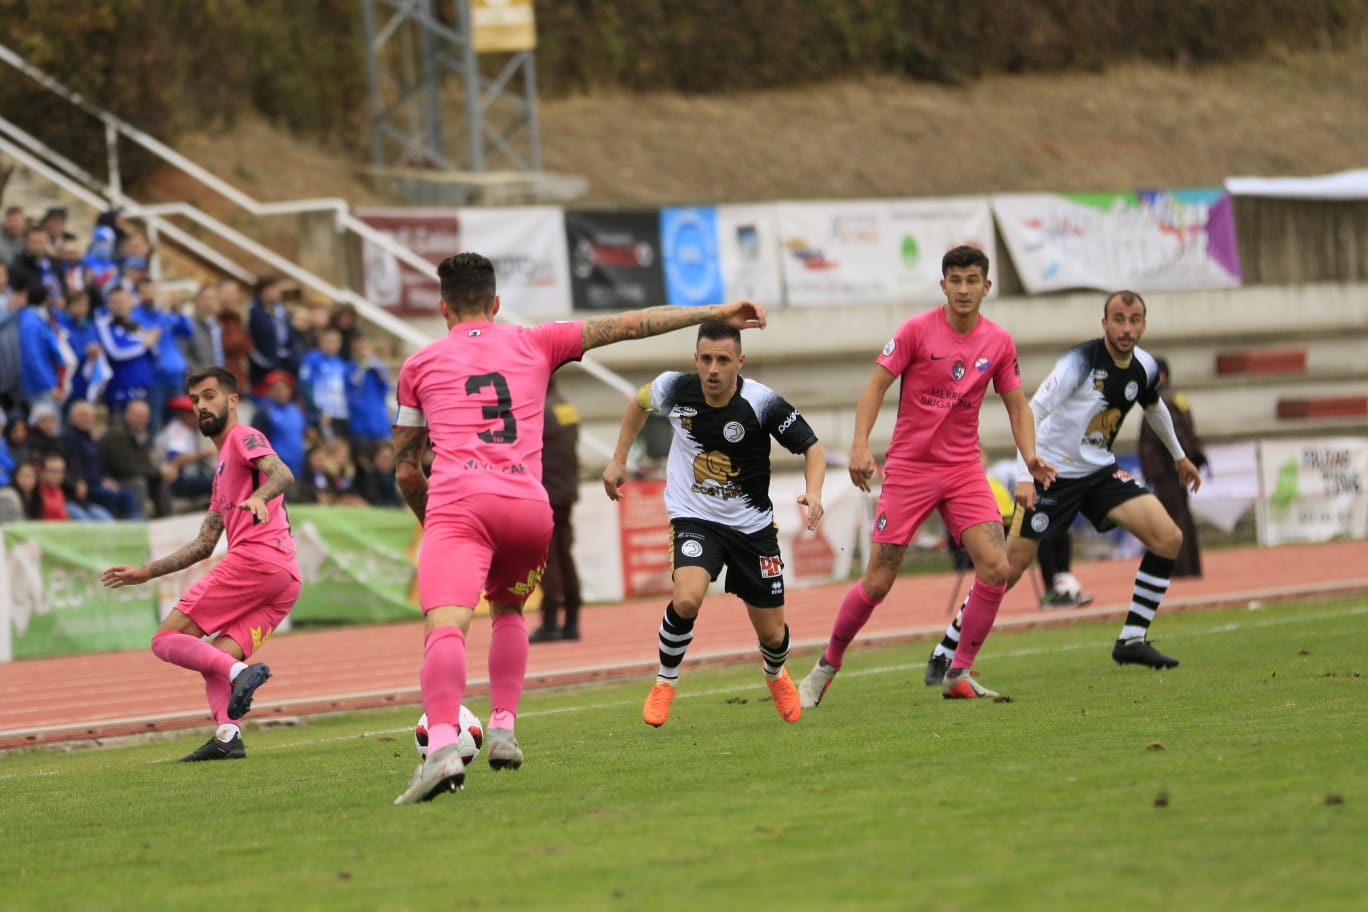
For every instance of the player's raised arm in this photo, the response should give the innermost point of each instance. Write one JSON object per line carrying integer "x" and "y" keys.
{"x": 211, "y": 530}
{"x": 653, "y": 321}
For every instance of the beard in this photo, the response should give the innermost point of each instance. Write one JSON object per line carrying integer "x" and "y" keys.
{"x": 211, "y": 426}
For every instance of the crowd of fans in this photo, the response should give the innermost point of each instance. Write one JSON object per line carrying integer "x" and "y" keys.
{"x": 89, "y": 340}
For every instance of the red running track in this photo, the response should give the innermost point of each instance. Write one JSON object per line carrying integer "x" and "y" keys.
{"x": 92, "y": 697}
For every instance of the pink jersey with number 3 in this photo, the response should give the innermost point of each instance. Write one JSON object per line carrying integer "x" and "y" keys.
{"x": 944, "y": 378}
{"x": 481, "y": 393}
{"x": 234, "y": 481}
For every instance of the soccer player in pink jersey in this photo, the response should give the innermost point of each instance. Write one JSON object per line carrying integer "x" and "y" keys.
{"x": 946, "y": 358}
{"x": 478, "y": 395}
{"x": 246, "y": 595}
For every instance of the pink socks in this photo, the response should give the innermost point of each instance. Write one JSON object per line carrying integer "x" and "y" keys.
{"x": 979, "y": 613}
{"x": 856, "y": 608}
{"x": 191, "y": 652}
{"x": 443, "y": 679}
{"x": 508, "y": 650}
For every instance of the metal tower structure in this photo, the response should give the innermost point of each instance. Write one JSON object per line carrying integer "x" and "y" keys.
{"x": 411, "y": 45}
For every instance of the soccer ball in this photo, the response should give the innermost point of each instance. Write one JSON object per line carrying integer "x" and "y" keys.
{"x": 469, "y": 738}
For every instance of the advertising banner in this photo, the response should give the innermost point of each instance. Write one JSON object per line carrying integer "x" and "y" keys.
{"x": 55, "y": 602}
{"x": 848, "y": 252}
{"x": 502, "y": 25}
{"x": 527, "y": 245}
{"x": 644, "y": 531}
{"x": 693, "y": 268}
{"x": 1313, "y": 490}
{"x": 359, "y": 565}
{"x": 615, "y": 261}
{"x": 165, "y": 536}
{"x": 433, "y": 234}
{"x": 748, "y": 252}
{"x": 1150, "y": 240}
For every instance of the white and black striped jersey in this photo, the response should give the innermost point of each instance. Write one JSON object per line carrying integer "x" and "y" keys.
{"x": 1080, "y": 406}
{"x": 719, "y": 465}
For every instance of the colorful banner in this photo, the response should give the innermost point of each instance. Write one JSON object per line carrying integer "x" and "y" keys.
{"x": 358, "y": 564}
{"x": 1151, "y": 240}
{"x": 688, "y": 243}
{"x": 615, "y": 259}
{"x": 53, "y": 601}
{"x": 1313, "y": 490}
{"x": 852, "y": 252}
{"x": 525, "y": 243}
{"x": 644, "y": 531}
{"x": 748, "y": 253}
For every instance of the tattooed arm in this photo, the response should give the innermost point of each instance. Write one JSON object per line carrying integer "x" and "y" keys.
{"x": 409, "y": 444}
{"x": 639, "y": 324}
{"x": 278, "y": 481}
{"x": 203, "y": 546}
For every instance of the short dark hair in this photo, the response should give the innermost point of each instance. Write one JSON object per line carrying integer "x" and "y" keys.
{"x": 1126, "y": 297}
{"x": 717, "y": 331}
{"x": 226, "y": 381}
{"x": 264, "y": 283}
{"x": 468, "y": 284}
{"x": 963, "y": 257}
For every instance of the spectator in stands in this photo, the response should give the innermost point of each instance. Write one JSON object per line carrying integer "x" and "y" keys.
{"x": 101, "y": 266}
{"x": 343, "y": 319}
{"x": 1161, "y": 475}
{"x": 129, "y": 347}
{"x": 54, "y": 226}
{"x": 13, "y": 234}
{"x": 368, "y": 390}
{"x": 323, "y": 377}
{"x": 17, "y": 439}
{"x": 205, "y": 345}
{"x": 52, "y": 491}
{"x": 342, "y": 468}
{"x": 35, "y": 270}
{"x": 7, "y": 305}
{"x": 24, "y": 491}
{"x": 127, "y": 451}
{"x": 274, "y": 343}
{"x": 377, "y": 484}
{"x": 6, "y": 463}
{"x": 168, "y": 379}
{"x": 88, "y": 480}
{"x": 237, "y": 342}
{"x": 71, "y": 268}
{"x": 309, "y": 322}
{"x": 115, "y": 220}
{"x": 282, "y": 421}
{"x": 315, "y": 485}
{"x": 44, "y": 431}
{"x": 40, "y": 355}
{"x": 136, "y": 246}
{"x": 181, "y": 446}
{"x": 91, "y": 371}
{"x": 132, "y": 270}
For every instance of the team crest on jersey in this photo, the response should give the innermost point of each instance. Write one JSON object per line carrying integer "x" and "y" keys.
{"x": 733, "y": 431}
{"x": 888, "y": 349}
{"x": 472, "y": 332}
{"x": 1040, "y": 522}
{"x": 981, "y": 365}
{"x": 1132, "y": 390}
{"x": 958, "y": 370}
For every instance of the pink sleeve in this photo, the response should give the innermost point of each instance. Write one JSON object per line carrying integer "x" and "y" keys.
{"x": 403, "y": 391}
{"x": 898, "y": 353}
{"x": 1008, "y": 375}
{"x": 252, "y": 445}
{"x": 560, "y": 341}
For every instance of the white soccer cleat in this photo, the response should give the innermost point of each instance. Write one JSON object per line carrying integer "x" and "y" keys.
{"x": 814, "y": 686}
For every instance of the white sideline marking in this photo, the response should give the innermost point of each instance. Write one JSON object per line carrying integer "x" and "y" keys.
{"x": 1298, "y": 618}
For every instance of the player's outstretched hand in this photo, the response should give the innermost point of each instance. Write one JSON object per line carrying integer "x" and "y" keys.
{"x": 1041, "y": 471}
{"x": 1188, "y": 474}
{"x": 613, "y": 477}
{"x": 117, "y": 577}
{"x": 257, "y": 507}
{"x": 813, "y": 506}
{"x": 743, "y": 314}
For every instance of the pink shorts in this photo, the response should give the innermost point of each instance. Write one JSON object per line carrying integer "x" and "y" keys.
{"x": 242, "y": 598}
{"x": 486, "y": 543}
{"x": 961, "y": 493}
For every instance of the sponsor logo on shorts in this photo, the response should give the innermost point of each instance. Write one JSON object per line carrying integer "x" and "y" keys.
{"x": 888, "y": 349}
{"x": 733, "y": 431}
{"x": 777, "y": 587}
{"x": 1124, "y": 476}
{"x": 259, "y": 635}
{"x": 691, "y": 548}
{"x": 881, "y": 521}
{"x": 771, "y": 566}
{"x": 1040, "y": 522}
{"x": 981, "y": 365}
{"x": 1132, "y": 390}
{"x": 958, "y": 370}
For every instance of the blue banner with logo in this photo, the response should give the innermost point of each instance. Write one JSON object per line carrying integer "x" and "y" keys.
{"x": 688, "y": 245}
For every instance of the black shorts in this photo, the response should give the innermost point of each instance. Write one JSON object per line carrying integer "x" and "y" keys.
{"x": 1093, "y": 495}
{"x": 755, "y": 571}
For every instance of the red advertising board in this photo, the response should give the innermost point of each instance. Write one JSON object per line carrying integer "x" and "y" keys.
{"x": 432, "y": 234}
{"x": 645, "y": 533}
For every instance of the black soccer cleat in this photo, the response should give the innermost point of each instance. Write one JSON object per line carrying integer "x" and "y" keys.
{"x": 1139, "y": 651}
{"x": 936, "y": 667}
{"x": 244, "y": 685}
{"x": 214, "y": 749}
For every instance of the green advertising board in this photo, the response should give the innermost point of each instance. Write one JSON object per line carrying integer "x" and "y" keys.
{"x": 57, "y": 603}
{"x": 359, "y": 564}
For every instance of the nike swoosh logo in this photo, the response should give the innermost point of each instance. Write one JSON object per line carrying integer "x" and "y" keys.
{"x": 939, "y": 357}
{"x": 976, "y": 643}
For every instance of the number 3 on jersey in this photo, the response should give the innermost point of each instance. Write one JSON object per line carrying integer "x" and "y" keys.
{"x": 503, "y": 407}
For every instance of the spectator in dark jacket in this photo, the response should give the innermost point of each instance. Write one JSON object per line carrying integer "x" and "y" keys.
{"x": 86, "y": 467}
{"x": 127, "y": 451}
{"x": 274, "y": 341}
